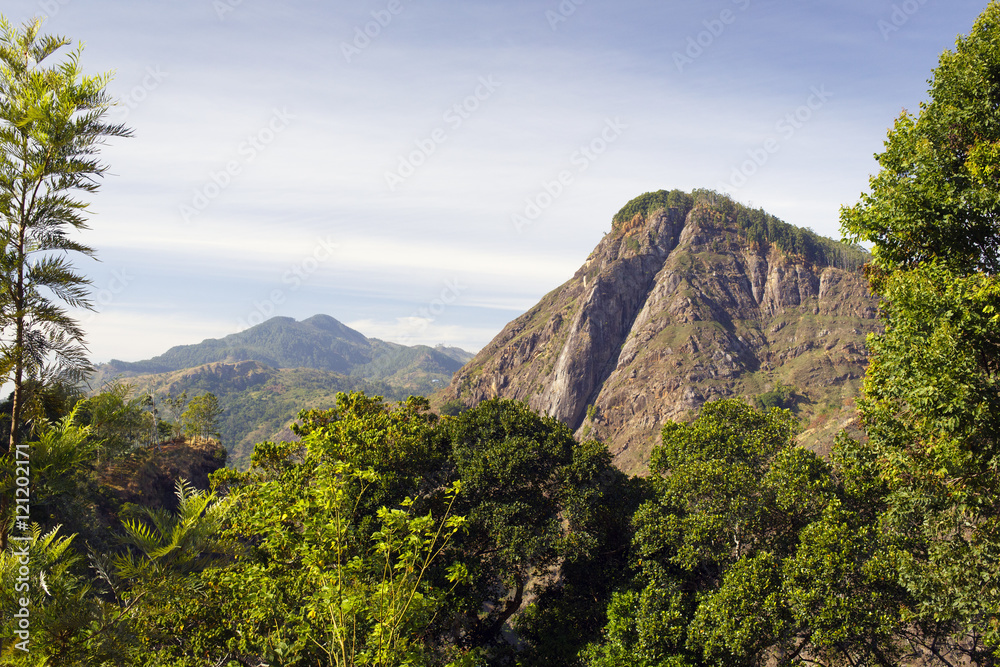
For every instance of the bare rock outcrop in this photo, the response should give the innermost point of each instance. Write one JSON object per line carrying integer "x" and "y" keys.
{"x": 677, "y": 307}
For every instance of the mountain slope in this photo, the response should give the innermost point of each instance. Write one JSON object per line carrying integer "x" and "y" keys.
{"x": 258, "y": 402}
{"x": 319, "y": 343}
{"x": 265, "y": 375}
{"x": 689, "y": 298}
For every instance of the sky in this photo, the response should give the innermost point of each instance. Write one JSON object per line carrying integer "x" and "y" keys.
{"x": 426, "y": 170}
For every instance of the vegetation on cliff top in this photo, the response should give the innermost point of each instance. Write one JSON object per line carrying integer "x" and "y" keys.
{"x": 756, "y": 227}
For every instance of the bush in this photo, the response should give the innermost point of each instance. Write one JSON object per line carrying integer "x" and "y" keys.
{"x": 783, "y": 396}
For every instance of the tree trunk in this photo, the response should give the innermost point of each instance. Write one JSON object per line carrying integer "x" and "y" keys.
{"x": 17, "y": 400}
{"x": 491, "y": 631}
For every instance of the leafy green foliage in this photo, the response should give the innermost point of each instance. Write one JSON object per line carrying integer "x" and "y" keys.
{"x": 936, "y": 198}
{"x": 931, "y": 391}
{"x": 51, "y": 126}
{"x": 201, "y": 418}
{"x": 744, "y": 551}
{"x": 180, "y": 542}
{"x": 66, "y": 623}
{"x": 326, "y": 573}
{"x": 564, "y": 618}
{"x": 930, "y": 410}
{"x": 384, "y": 592}
{"x": 67, "y": 455}
{"x": 529, "y": 487}
{"x": 646, "y": 204}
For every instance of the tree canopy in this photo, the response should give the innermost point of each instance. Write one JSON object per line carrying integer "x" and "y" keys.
{"x": 936, "y": 198}
{"x": 931, "y": 394}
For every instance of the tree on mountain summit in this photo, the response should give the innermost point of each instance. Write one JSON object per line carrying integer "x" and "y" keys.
{"x": 201, "y": 419}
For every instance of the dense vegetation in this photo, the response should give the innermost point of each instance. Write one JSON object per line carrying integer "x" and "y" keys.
{"x": 649, "y": 203}
{"x": 755, "y": 226}
{"x": 390, "y": 535}
{"x": 383, "y": 533}
{"x": 265, "y": 375}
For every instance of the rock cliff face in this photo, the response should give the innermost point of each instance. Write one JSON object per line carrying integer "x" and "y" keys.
{"x": 678, "y": 306}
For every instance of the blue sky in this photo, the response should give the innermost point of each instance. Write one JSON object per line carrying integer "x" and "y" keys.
{"x": 426, "y": 170}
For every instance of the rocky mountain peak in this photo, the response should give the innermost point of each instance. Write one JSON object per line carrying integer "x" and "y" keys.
{"x": 691, "y": 297}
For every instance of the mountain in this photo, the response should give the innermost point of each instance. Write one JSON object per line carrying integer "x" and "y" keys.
{"x": 319, "y": 343}
{"x": 690, "y": 298}
{"x": 265, "y": 375}
{"x": 258, "y": 402}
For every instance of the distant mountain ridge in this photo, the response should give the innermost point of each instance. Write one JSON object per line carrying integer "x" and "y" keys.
{"x": 691, "y": 297}
{"x": 265, "y": 375}
{"x": 320, "y": 342}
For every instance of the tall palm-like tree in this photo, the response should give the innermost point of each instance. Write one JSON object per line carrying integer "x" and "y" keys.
{"x": 51, "y": 128}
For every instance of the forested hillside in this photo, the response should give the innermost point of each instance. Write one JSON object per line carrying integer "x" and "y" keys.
{"x": 264, "y": 376}
{"x": 499, "y": 532}
{"x": 320, "y": 343}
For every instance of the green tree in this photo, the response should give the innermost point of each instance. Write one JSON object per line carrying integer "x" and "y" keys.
{"x": 201, "y": 418}
{"x": 51, "y": 127}
{"x": 561, "y": 620}
{"x": 931, "y": 407}
{"x": 358, "y": 548}
{"x": 118, "y": 420}
{"x": 936, "y": 198}
{"x": 176, "y": 404}
{"x": 530, "y": 492}
{"x": 749, "y": 547}
{"x": 383, "y": 593}
{"x": 325, "y": 575}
